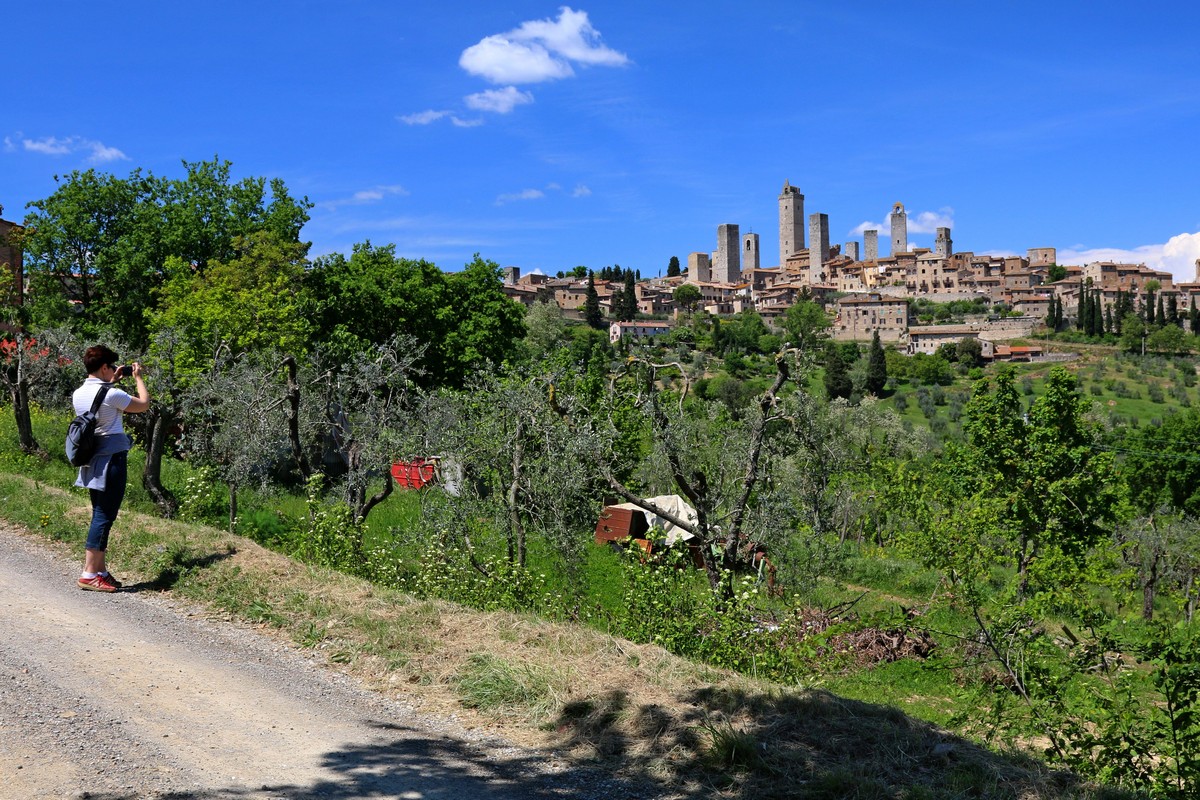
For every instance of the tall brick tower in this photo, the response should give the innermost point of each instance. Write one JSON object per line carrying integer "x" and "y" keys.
{"x": 899, "y": 222}
{"x": 818, "y": 246}
{"x": 727, "y": 266}
{"x": 791, "y": 222}
{"x": 871, "y": 245}
{"x": 750, "y": 251}
{"x": 943, "y": 245}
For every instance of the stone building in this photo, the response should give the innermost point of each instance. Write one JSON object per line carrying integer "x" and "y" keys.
{"x": 860, "y": 315}
{"x": 818, "y": 247}
{"x": 10, "y": 257}
{"x": 899, "y": 223}
{"x": 943, "y": 245}
{"x": 749, "y": 251}
{"x": 699, "y": 268}
{"x": 850, "y": 250}
{"x": 1041, "y": 256}
{"x": 727, "y": 264}
{"x": 791, "y": 222}
{"x": 871, "y": 245}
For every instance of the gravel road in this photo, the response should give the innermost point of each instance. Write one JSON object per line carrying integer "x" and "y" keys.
{"x": 132, "y": 695}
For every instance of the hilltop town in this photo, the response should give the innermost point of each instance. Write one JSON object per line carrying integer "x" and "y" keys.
{"x": 864, "y": 290}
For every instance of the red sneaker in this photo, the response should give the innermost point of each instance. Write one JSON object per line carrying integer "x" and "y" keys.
{"x": 100, "y": 583}
{"x": 113, "y": 580}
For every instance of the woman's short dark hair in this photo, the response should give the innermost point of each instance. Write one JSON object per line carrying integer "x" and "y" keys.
{"x": 97, "y": 356}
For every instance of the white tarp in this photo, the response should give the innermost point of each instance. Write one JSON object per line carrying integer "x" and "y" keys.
{"x": 672, "y": 504}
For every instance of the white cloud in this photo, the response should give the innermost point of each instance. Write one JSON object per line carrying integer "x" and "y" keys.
{"x": 527, "y": 194}
{"x": 540, "y": 50}
{"x": 365, "y": 197}
{"x": 499, "y": 101}
{"x": 99, "y": 153}
{"x": 919, "y": 222}
{"x": 930, "y": 221}
{"x": 581, "y": 191}
{"x": 9, "y": 145}
{"x": 571, "y": 36}
{"x": 502, "y": 61}
{"x": 423, "y": 117}
{"x": 1177, "y": 256}
{"x": 431, "y": 116}
{"x": 50, "y": 146}
{"x": 102, "y": 154}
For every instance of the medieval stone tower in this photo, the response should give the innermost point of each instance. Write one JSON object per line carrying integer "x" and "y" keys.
{"x": 750, "y": 251}
{"x": 818, "y": 247}
{"x": 850, "y": 249}
{"x": 871, "y": 245}
{"x": 791, "y": 222}
{"x": 943, "y": 245}
{"x": 727, "y": 267}
{"x": 899, "y": 222}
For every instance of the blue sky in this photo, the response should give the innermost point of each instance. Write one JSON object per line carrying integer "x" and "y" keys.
{"x": 545, "y": 136}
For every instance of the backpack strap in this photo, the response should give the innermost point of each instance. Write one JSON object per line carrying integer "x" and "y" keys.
{"x": 100, "y": 397}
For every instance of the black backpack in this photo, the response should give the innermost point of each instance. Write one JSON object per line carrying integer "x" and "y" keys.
{"x": 81, "y": 433}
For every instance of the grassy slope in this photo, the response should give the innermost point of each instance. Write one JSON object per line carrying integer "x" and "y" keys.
{"x": 644, "y": 714}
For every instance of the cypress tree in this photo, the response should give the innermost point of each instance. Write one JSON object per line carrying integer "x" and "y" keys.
{"x": 629, "y": 304}
{"x": 876, "y": 366}
{"x": 837, "y": 376}
{"x": 673, "y": 267}
{"x": 1193, "y": 318}
{"x": 1173, "y": 311}
{"x": 1081, "y": 314}
{"x": 1098, "y": 314}
{"x": 591, "y": 304}
{"x": 1160, "y": 318}
{"x": 1108, "y": 320}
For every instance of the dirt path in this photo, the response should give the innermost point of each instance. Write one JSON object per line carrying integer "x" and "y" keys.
{"x": 132, "y": 696}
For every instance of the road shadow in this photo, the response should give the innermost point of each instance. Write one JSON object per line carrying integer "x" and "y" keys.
{"x": 731, "y": 744}
{"x": 174, "y": 566}
{"x": 406, "y": 763}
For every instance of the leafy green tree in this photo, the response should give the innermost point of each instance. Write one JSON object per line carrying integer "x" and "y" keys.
{"x": 464, "y": 318}
{"x": 104, "y": 242}
{"x": 486, "y": 328}
{"x": 1133, "y": 334}
{"x": 930, "y": 370}
{"x": 970, "y": 352}
{"x": 545, "y": 327}
{"x": 673, "y": 267}
{"x": 1160, "y": 466}
{"x": 1058, "y": 494}
{"x": 1056, "y": 272}
{"x": 807, "y": 325}
{"x": 251, "y": 302}
{"x": 1169, "y": 339}
{"x": 877, "y": 373}
{"x": 360, "y": 301}
{"x": 686, "y": 296}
